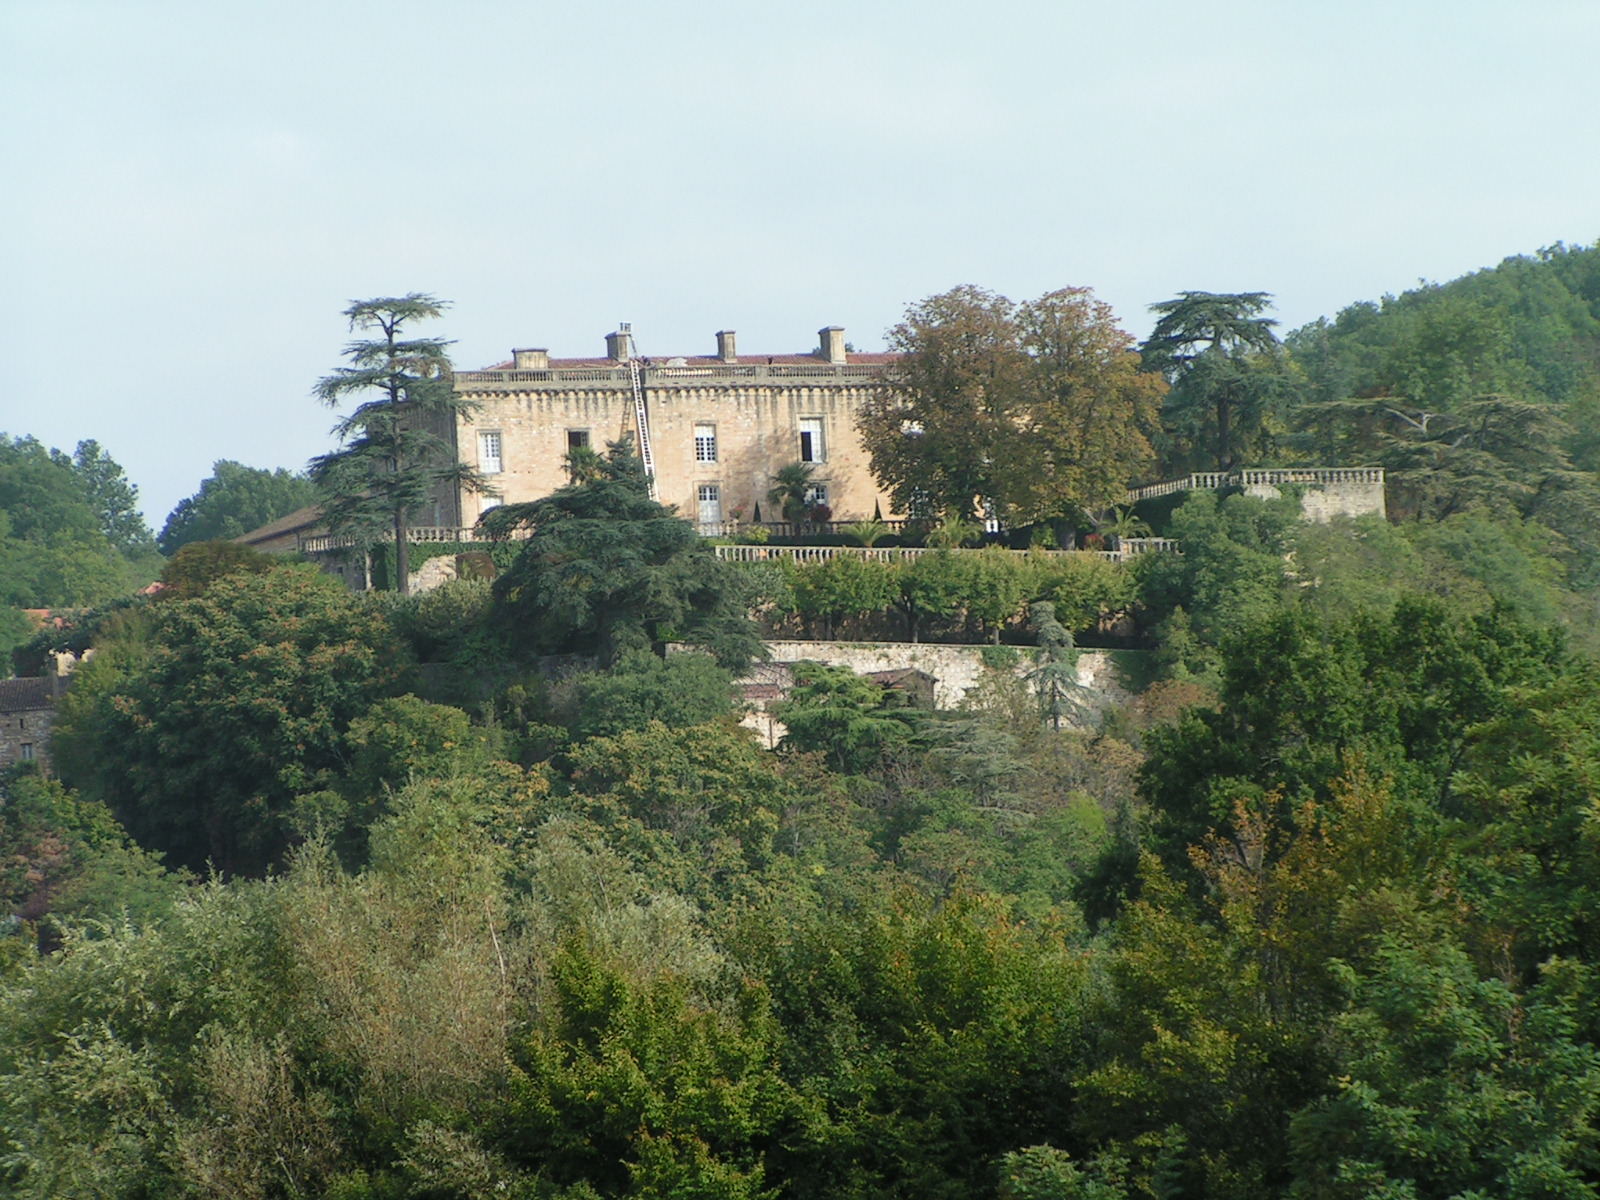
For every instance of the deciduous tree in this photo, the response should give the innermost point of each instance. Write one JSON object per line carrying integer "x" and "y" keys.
{"x": 1038, "y": 409}
{"x": 234, "y": 500}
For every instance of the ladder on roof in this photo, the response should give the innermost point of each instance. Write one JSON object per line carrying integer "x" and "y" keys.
{"x": 641, "y": 414}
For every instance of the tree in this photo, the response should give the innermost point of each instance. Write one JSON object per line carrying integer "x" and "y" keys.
{"x": 679, "y": 690}
{"x": 1056, "y": 676}
{"x": 606, "y": 570}
{"x": 206, "y": 718}
{"x": 1038, "y": 410}
{"x": 1449, "y": 1085}
{"x": 852, "y": 720}
{"x": 114, "y": 500}
{"x": 57, "y": 523}
{"x": 396, "y": 448}
{"x": 792, "y": 493}
{"x": 1221, "y": 358}
{"x": 234, "y": 500}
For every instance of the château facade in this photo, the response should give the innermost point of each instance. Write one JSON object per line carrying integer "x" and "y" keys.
{"x": 714, "y": 429}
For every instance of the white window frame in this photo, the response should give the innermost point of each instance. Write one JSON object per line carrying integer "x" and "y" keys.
{"x": 586, "y": 443}
{"x": 816, "y": 493}
{"x": 817, "y": 436}
{"x": 705, "y": 442}
{"x": 491, "y": 452}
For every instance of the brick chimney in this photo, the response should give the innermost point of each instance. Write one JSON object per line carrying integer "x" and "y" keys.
{"x": 532, "y": 360}
{"x": 725, "y": 349}
{"x": 832, "y": 347}
{"x": 619, "y": 345}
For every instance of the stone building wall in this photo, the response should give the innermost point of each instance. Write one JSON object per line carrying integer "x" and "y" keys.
{"x": 27, "y": 708}
{"x": 755, "y": 405}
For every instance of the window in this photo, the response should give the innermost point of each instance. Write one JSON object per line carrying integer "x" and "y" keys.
{"x": 816, "y": 493}
{"x": 812, "y": 448}
{"x": 489, "y": 453}
{"x": 705, "y": 443}
{"x": 710, "y": 497}
{"x": 577, "y": 439}
{"x": 27, "y": 751}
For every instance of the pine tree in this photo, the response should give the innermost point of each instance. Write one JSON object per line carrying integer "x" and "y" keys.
{"x": 395, "y": 451}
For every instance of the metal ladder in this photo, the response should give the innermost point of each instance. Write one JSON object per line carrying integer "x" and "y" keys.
{"x": 641, "y": 415}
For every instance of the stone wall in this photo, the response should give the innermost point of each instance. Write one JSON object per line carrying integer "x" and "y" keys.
{"x": 27, "y": 707}
{"x": 955, "y": 669}
{"x": 1322, "y": 502}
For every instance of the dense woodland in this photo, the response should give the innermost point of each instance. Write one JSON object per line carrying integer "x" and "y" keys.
{"x": 477, "y": 893}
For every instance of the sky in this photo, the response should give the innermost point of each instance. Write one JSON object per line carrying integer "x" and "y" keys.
{"x": 192, "y": 192}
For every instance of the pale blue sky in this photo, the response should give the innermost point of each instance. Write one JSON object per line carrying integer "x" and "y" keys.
{"x": 191, "y": 191}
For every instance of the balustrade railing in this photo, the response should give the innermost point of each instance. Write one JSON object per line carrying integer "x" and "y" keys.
{"x": 657, "y": 374}
{"x": 321, "y": 543}
{"x": 1259, "y": 476}
{"x": 816, "y": 554}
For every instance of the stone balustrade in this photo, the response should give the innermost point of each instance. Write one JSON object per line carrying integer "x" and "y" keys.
{"x": 657, "y": 376}
{"x": 1257, "y": 477}
{"x": 816, "y": 554}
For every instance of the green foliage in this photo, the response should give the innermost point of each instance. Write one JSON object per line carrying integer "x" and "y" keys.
{"x": 1056, "y": 676}
{"x": 1449, "y": 1085}
{"x": 1083, "y": 588}
{"x": 451, "y": 623}
{"x": 1227, "y": 375}
{"x": 235, "y": 702}
{"x": 838, "y": 588}
{"x": 867, "y": 533}
{"x": 1232, "y": 569}
{"x": 930, "y": 587}
{"x": 606, "y": 571}
{"x": 1302, "y": 696}
{"x": 851, "y": 720}
{"x": 642, "y": 1088}
{"x": 396, "y": 448}
{"x": 679, "y": 691}
{"x": 1036, "y": 409}
{"x": 197, "y": 565}
{"x": 233, "y": 500}
{"x": 791, "y": 491}
{"x": 1045, "y": 1173}
{"x": 708, "y": 790}
{"x": 69, "y": 532}
{"x": 63, "y": 857}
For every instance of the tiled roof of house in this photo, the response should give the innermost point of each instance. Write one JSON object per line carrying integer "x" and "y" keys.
{"x": 301, "y": 518}
{"x": 26, "y": 695}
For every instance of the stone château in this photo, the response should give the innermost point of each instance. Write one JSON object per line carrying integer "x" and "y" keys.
{"x": 713, "y": 429}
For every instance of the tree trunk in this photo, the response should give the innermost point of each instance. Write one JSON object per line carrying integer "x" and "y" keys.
{"x": 1224, "y": 434}
{"x": 402, "y": 555}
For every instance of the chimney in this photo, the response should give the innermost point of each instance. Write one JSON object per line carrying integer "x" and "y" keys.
{"x": 725, "y": 350}
{"x": 832, "y": 349}
{"x": 619, "y": 345}
{"x": 532, "y": 360}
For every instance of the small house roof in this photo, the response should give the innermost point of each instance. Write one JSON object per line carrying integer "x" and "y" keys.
{"x": 27, "y": 695}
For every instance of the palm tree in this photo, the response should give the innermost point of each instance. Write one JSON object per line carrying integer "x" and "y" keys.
{"x": 954, "y": 530}
{"x": 791, "y": 490}
{"x": 868, "y": 533}
{"x": 1124, "y": 523}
